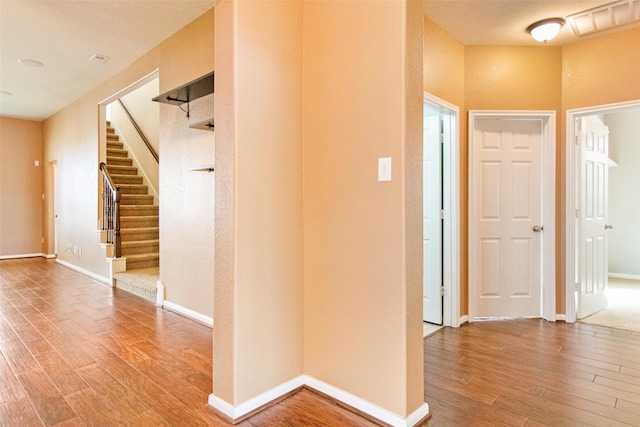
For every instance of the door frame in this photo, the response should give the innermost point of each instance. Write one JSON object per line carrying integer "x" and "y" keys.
{"x": 548, "y": 287}
{"x": 573, "y": 197}
{"x": 451, "y": 206}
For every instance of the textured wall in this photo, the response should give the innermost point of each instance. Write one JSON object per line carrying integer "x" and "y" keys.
{"x": 21, "y": 187}
{"x": 360, "y": 255}
{"x": 258, "y": 323}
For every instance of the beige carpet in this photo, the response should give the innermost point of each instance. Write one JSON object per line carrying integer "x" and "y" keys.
{"x": 623, "y": 311}
{"x": 141, "y": 282}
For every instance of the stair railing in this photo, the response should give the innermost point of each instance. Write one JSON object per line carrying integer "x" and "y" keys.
{"x": 144, "y": 138}
{"x": 111, "y": 210}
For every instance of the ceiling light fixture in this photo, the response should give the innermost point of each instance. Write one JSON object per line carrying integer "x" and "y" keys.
{"x": 545, "y": 30}
{"x": 31, "y": 63}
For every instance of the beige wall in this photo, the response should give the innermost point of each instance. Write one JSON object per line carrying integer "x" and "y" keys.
{"x": 444, "y": 77}
{"x": 359, "y": 328}
{"x": 258, "y": 321}
{"x": 363, "y": 89}
{"x": 187, "y": 197}
{"x": 71, "y": 139}
{"x": 21, "y": 187}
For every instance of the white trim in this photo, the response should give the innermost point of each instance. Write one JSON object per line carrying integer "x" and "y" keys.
{"x": 572, "y": 201}
{"x": 186, "y": 312}
{"x": 236, "y": 412}
{"x": 548, "y": 298}
{"x": 451, "y": 204}
{"x": 49, "y": 256}
{"x": 160, "y": 295}
{"x": 366, "y": 406}
{"x": 464, "y": 319}
{"x": 81, "y": 270}
{"x": 561, "y": 317}
{"x": 375, "y": 411}
{"x": 22, "y": 256}
{"x": 624, "y": 276}
{"x": 133, "y": 86}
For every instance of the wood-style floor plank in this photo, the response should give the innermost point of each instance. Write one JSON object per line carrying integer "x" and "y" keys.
{"x": 547, "y": 374}
{"x": 74, "y": 352}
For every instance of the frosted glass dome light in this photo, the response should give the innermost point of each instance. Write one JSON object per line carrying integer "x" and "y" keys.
{"x": 545, "y": 30}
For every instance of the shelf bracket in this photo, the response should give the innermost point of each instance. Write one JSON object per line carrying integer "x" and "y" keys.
{"x": 179, "y": 102}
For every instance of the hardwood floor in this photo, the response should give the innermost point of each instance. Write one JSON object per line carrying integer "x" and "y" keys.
{"x": 532, "y": 373}
{"x": 74, "y": 352}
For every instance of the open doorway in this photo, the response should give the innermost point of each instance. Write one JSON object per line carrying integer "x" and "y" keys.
{"x": 441, "y": 260}
{"x": 619, "y": 270}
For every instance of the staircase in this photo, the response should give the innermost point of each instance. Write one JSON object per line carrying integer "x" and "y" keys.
{"x": 139, "y": 227}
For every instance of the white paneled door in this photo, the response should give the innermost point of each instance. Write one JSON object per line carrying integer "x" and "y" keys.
{"x": 432, "y": 222}
{"x": 506, "y": 227}
{"x": 593, "y": 216}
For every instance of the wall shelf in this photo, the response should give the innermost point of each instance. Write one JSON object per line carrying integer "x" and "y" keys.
{"x": 208, "y": 168}
{"x": 188, "y": 92}
{"x": 203, "y": 125}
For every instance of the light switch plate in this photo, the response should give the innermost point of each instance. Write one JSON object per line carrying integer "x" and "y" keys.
{"x": 384, "y": 169}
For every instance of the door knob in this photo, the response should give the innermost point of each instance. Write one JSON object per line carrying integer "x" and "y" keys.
{"x": 608, "y": 226}
{"x": 538, "y": 228}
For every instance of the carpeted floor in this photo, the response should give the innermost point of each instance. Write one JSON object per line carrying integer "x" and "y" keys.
{"x": 141, "y": 282}
{"x": 623, "y": 311}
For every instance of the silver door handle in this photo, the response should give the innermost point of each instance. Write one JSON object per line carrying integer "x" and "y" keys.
{"x": 538, "y": 228}
{"x": 608, "y": 226}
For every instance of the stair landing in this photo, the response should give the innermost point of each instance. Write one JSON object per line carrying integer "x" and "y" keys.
{"x": 141, "y": 282}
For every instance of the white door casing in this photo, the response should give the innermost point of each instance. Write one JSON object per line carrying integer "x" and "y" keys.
{"x": 593, "y": 216}
{"x": 432, "y": 224}
{"x": 451, "y": 208}
{"x": 511, "y": 214}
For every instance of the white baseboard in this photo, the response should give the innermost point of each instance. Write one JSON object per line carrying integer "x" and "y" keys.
{"x": 50, "y": 256}
{"x": 362, "y": 405}
{"x": 91, "y": 274}
{"x": 160, "y": 294}
{"x": 624, "y": 276}
{"x": 194, "y": 315}
{"x": 236, "y": 412}
{"x": 367, "y": 407}
{"x": 464, "y": 319}
{"x": 561, "y": 317}
{"x": 21, "y": 256}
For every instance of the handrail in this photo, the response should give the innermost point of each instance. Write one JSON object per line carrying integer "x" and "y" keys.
{"x": 111, "y": 210}
{"x": 144, "y": 138}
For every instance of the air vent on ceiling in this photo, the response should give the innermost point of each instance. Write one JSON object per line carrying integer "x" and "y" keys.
{"x": 605, "y": 17}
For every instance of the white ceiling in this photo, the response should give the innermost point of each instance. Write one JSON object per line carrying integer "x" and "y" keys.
{"x": 63, "y": 35}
